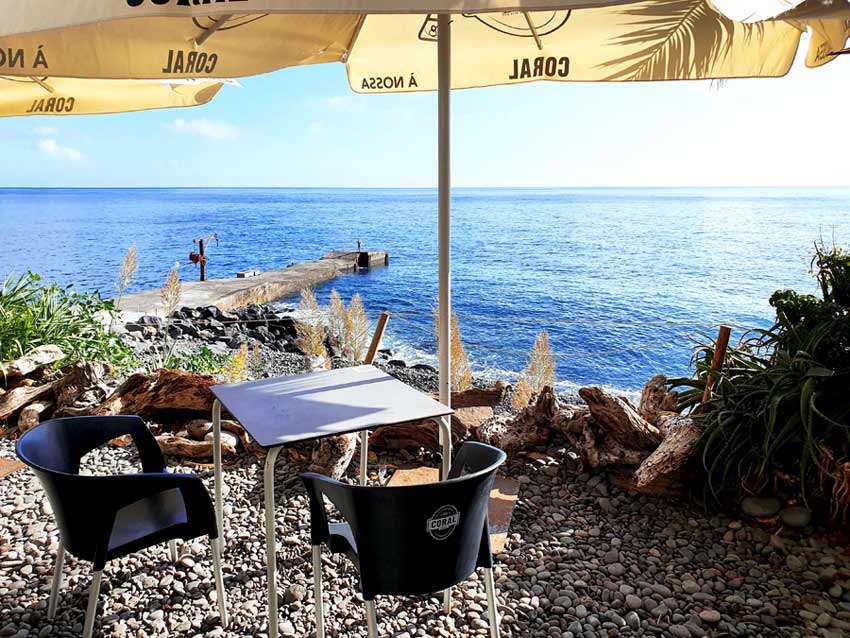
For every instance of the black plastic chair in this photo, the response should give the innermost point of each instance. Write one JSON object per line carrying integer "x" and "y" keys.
{"x": 410, "y": 540}
{"x": 106, "y": 517}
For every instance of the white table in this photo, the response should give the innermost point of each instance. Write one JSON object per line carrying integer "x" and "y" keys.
{"x": 277, "y": 412}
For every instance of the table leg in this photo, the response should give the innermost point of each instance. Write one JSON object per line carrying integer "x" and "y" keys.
{"x": 364, "y": 457}
{"x": 219, "y": 505}
{"x": 271, "y": 542}
{"x": 444, "y": 423}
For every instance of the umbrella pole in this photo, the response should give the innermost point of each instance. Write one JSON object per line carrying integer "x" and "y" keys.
{"x": 444, "y": 299}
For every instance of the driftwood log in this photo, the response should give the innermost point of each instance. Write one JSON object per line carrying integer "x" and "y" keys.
{"x": 31, "y": 415}
{"x": 619, "y": 420}
{"x": 147, "y": 394}
{"x": 20, "y": 396}
{"x": 78, "y": 380}
{"x": 332, "y": 455}
{"x": 472, "y": 407}
{"x": 32, "y": 361}
{"x": 679, "y": 443}
{"x": 180, "y": 446}
{"x": 647, "y": 447}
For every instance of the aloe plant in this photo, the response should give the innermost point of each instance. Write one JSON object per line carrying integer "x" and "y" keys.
{"x": 778, "y": 413}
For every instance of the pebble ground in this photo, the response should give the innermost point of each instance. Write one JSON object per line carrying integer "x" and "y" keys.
{"x": 583, "y": 560}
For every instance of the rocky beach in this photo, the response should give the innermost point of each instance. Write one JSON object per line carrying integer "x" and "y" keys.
{"x": 584, "y": 559}
{"x": 587, "y": 555}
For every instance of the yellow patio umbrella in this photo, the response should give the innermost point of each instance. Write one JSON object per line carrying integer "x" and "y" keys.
{"x": 392, "y": 46}
{"x": 828, "y": 22}
{"x": 395, "y": 45}
{"x": 69, "y": 96}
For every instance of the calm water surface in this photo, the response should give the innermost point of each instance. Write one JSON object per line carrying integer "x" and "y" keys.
{"x": 574, "y": 261}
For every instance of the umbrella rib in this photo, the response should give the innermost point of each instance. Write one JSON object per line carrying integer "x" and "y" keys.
{"x": 42, "y": 83}
{"x": 205, "y": 35}
{"x": 533, "y": 30}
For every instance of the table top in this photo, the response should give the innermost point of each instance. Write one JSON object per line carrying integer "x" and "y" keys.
{"x": 317, "y": 404}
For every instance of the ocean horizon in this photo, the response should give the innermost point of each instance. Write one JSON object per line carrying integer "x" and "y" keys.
{"x": 623, "y": 278}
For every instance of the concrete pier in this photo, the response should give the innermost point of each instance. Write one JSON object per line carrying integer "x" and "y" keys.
{"x": 268, "y": 286}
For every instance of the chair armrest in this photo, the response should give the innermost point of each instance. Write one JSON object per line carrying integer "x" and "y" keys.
{"x": 94, "y": 431}
{"x": 117, "y": 492}
{"x": 314, "y": 484}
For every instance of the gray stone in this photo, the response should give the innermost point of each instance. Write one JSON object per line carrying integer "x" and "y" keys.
{"x": 761, "y": 506}
{"x": 796, "y": 516}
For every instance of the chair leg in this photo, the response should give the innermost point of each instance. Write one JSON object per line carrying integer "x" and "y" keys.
{"x": 447, "y": 601}
{"x": 317, "y": 590}
{"x": 215, "y": 546}
{"x": 492, "y": 611}
{"x": 172, "y": 550}
{"x": 56, "y": 585}
{"x": 91, "y": 610}
{"x": 371, "y": 619}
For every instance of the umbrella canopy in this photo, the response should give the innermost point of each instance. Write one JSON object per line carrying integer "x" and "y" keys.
{"x": 68, "y": 96}
{"x": 390, "y": 46}
{"x": 395, "y": 45}
{"x": 393, "y": 48}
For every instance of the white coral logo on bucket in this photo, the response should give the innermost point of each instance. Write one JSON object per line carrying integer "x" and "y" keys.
{"x": 443, "y": 522}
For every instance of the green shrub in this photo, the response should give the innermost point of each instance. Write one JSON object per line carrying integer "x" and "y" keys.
{"x": 204, "y": 361}
{"x": 777, "y": 419}
{"x": 34, "y": 313}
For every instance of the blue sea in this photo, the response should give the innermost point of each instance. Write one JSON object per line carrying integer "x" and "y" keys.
{"x": 622, "y": 279}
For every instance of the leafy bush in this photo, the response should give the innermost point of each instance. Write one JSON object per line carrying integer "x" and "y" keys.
{"x": 34, "y": 313}
{"x": 778, "y": 416}
{"x": 204, "y": 361}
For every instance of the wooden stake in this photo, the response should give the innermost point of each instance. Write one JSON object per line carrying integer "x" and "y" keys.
{"x": 203, "y": 262}
{"x": 376, "y": 338}
{"x": 719, "y": 356}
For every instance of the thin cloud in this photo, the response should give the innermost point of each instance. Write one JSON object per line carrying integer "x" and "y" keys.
{"x": 51, "y": 147}
{"x": 202, "y": 127}
{"x": 45, "y": 131}
{"x": 338, "y": 103}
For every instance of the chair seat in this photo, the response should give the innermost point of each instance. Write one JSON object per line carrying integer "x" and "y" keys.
{"x": 341, "y": 541}
{"x": 147, "y": 521}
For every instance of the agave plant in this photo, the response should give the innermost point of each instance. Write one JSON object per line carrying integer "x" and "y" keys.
{"x": 779, "y": 412}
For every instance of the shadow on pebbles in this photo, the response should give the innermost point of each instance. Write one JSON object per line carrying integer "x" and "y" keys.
{"x": 583, "y": 560}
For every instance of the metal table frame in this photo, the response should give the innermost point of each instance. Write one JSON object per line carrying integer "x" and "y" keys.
{"x": 445, "y": 438}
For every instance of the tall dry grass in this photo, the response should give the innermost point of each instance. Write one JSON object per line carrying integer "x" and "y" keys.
{"x": 461, "y": 373}
{"x": 539, "y": 373}
{"x": 310, "y": 328}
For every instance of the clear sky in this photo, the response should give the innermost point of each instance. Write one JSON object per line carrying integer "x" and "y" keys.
{"x": 304, "y": 127}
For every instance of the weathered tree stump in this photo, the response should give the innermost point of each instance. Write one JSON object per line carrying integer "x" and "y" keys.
{"x": 656, "y": 398}
{"x": 617, "y": 418}
{"x": 529, "y": 428}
